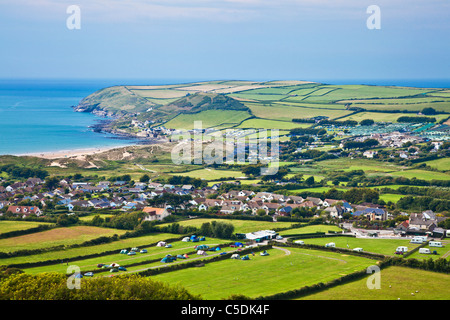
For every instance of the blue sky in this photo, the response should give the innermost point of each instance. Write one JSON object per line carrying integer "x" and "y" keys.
{"x": 225, "y": 39}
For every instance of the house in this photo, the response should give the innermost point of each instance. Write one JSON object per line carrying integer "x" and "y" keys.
{"x": 25, "y": 211}
{"x": 335, "y": 211}
{"x": 155, "y": 214}
{"x": 372, "y": 214}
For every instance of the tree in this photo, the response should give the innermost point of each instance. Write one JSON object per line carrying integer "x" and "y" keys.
{"x": 51, "y": 183}
{"x": 310, "y": 181}
{"x": 145, "y": 178}
{"x": 367, "y": 122}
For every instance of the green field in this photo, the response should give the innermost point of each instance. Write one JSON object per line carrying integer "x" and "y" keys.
{"x": 212, "y": 174}
{"x": 55, "y": 237}
{"x": 209, "y": 118}
{"x": 396, "y": 283}
{"x": 83, "y": 251}
{"x": 154, "y": 252}
{"x": 240, "y": 226}
{"x": 311, "y": 229}
{"x": 9, "y": 226}
{"x": 443, "y": 252}
{"x": 442, "y": 164}
{"x": 372, "y": 245}
{"x": 279, "y": 272}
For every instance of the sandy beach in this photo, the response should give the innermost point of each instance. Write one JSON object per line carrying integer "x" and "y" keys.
{"x": 70, "y": 153}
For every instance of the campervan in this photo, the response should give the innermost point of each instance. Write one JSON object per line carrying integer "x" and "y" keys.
{"x": 424, "y": 251}
{"x": 418, "y": 240}
{"x": 401, "y": 250}
{"x": 358, "y": 249}
{"x": 299, "y": 242}
{"x": 330, "y": 245}
{"x": 435, "y": 244}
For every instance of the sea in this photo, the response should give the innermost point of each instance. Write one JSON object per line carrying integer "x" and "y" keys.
{"x": 36, "y": 115}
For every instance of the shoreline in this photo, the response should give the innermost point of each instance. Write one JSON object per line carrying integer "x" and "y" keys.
{"x": 61, "y": 154}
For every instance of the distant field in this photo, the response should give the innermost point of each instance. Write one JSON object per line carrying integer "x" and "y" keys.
{"x": 384, "y": 117}
{"x": 396, "y": 283}
{"x": 55, "y": 237}
{"x": 240, "y": 226}
{"x": 209, "y": 118}
{"x": 212, "y": 174}
{"x": 259, "y": 276}
{"x": 9, "y": 226}
{"x": 442, "y": 164}
{"x": 279, "y": 111}
{"x": 421, "y": 174}
{"x": 381, "y": 246}
{"x": 391, "y": 197}
{"x": 269, "y": 124}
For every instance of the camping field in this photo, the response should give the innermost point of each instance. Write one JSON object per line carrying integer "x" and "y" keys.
{"x": 396, "y": 283}
{"x": 373, "y": 245}
{"x": 154, "y": 252}
{"x": 281, "y": 271}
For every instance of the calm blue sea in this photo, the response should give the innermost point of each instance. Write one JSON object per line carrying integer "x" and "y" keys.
{"x": 36, "y": 115}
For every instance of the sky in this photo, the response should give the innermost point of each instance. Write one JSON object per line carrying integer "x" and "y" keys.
{"x": 225, "y": 39}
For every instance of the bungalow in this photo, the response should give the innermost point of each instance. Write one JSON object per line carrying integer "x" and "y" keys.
{"x": 155, "y": 214}
{"x": 25, "y": 211}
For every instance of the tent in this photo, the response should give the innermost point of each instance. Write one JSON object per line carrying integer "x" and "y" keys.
{"x": 124, "y": 251}
{"x": 186, "y": 239}
{"x": 161, "y": 244}
{"x": 134, "y": 249}
{"x": 202, "y": 247}
{"x": 218, "y": 249}
{"x": 202, "y": 239}
{"x": 201, "y": 252}
{"x": 193, "y": 237}
{"x": 235, "y": 256}
{"x": 180, "y": 256}
{"x": 186, "y": 256}
{"x": 264, "y": 253}
{"x": 238, "y": 244}
{"x": 245, "y": 257}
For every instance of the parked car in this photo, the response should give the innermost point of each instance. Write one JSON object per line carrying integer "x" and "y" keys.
{"x": 131, "y": 253}
{"x": 89, "y": 274}
{"x": 143, "y": 251}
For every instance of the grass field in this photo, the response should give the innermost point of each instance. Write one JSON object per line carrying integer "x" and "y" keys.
{"x": 209, "y": 118}
{"x": 264, "y": 275}
{"x": 442, "y": 164}
{"x": 421, "y": 174}
{"x": 240, "y": 226}
{"x": 9, "y": 226}
{"x": 269, "y": 124}
{"x": 83, "y": 251}
{"x": 55, "y": 237}
{"x": 396, "y": 282}
{"x": 443, "y": 252}
{"x": 154, "y": 252}
{"x": 311, "y": 229}
{"x": 212, "y": 174}
{"x": 373, "y": 245}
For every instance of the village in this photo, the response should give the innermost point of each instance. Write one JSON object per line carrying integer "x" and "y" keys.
{"x": 118, "y": 196}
